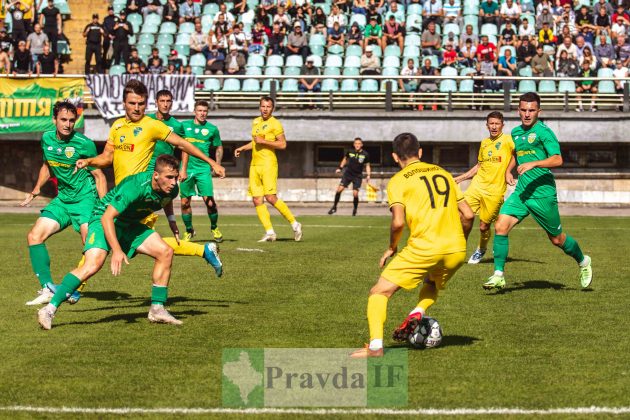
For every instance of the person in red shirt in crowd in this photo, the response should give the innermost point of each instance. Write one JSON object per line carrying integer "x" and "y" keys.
{"x": 486, "y": 49}
{"x": 620, "y": 12}
{"x": 450, "y": 55}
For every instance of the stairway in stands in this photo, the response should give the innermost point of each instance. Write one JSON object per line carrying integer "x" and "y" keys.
{"x": 82, "y": 11}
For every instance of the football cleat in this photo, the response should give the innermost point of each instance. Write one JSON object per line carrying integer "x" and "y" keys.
{"x": 332, "y": 210}
{"x": 159, "y": 314}
{"x": 477, "y": 256}
{"x": 269, "y": 237}
{"x": 45, "y": 295}
{"x": 297, "y": 232}
{"x": 586, "y": 273}
{"x": 365, "y": 352}
{"x": 45, "y": 317}
{"x": 494, "y": 283}
{"x": 217, "y": 235}
{"x": 407, "y": 327}
{"x": 74, "y": 297}
{"x": 189, "y": 235}
{"x": 211, "y": 255}
{"x": 354, "y": 212}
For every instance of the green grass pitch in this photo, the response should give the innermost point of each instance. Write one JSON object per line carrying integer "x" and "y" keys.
{"x": 541, "y": 343}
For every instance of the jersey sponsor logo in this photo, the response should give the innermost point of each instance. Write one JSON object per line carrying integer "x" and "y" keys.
{"x": 525, "y": 152}
{"x": 69, "y": 151}
{"x": 493, "y": 159}
{"x": 137, "y": 131}
{"x": 205, "y": 131}
{"x": 531, "y": 138}
{"x": 58, "y": 164}
{"x": 125, "y": 147}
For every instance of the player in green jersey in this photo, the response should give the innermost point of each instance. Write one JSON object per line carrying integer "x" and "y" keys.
{"x": 116, "y": 226}
{"x": 78, "y": 192}
{"x": 164, "y": 101}
{"x": 537, "y": 150}
{"x": 196, "y": 175}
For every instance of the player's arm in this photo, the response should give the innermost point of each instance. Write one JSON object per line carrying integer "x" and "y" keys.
{"x": 395, "y": 232}
{"x": 218, "y": 155}
{"x": 341, "y": 165}
{"x": 172, "y": 220}
{"x": 185, "y": 146}
{"x": 104, "y": 160}
{"x": 551, "y": 162}
{"x": 118, "y": 256}
{"x": 368, "y": 171}
{"x": 243, "y": 148}
{"x": 469, "y": 174}
{"x": 509, "y": 178}
{"x": 100, "y": 181}
{"x": 184, "y": 167}
{"x": 42, "y": 178}
{"x": 466, "y": 216}
{"x": 279, "y": 144}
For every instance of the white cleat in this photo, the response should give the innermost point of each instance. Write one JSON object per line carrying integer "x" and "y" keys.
{"x": 45, "y": 295}
{"x": 159, "y": 314}
{"x": 45, "y": 317}
{"x": 297, "y": 232}
{"x": 477, "y": 256}
{"x": 269, "y": 237}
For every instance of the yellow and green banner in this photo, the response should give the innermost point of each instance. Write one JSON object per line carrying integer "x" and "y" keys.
{"x": 26, "y": 105}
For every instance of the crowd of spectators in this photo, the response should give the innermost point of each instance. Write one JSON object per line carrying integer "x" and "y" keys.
{"x": 29, "y": 46}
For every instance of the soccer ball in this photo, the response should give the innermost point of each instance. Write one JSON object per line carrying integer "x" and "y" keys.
{"x": 427, "y": 335}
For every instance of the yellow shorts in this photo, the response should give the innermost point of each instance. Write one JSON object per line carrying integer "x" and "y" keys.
{"x": 408, "y": 269}
{"x": 150, "y": 220}
{"x": 263, "y": 180}
{"x": 486, "y": 206}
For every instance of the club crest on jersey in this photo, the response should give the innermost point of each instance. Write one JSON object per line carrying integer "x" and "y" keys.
{"x": 489, "y": 153}
{"x": 122, "y": 139}
{"x": 205, "y": 131}
{"x": 498, "y": 145}
{"x": 361, "y": 159}
{"x": 69, "y": 151}
{"x": 531, "y": 138}
{"x": 137, "y": 131}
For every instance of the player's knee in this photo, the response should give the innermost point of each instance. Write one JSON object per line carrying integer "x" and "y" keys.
{"x": 89, "y": 268}
{"x": 557, "y": 240}
{"x": 35, "y": 237}
{"x": 257, "y": 201}
{"x": 166, "y": 253}
{"x": 271, "y": 199}
{"x": 484, "y": 227}
{"x": 185, "y": 204}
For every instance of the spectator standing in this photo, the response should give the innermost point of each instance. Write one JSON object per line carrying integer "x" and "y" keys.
{"x": 122, "y": 31}
{"x": 297, "y": 42}
{"x": 47, "y": 62}
{"x": 108, "y": 25}
{"x": 50, "y": 20}
{"x": 431, "y": 41}
{"x": 22, "y": 60}
{"x": 541, "y": 63}
{"x": 93, "y": 34}
{"x": 370, "y": 64}
{"x": 19, "y": 25}
{"x": 35, "y": 42}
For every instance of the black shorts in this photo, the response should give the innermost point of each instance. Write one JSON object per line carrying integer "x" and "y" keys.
{"x": 355, "y": 180}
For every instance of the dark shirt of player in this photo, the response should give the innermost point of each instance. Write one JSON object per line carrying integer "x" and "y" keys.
{"x": 50, "y": 18}
{"x": 47, "y": 61}
{"x": 94, "y": 35}
{"x": 355, "y": 161}
{"x": 22, "y": 61}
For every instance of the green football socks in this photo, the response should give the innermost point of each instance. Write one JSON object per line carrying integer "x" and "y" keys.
{"x": 214, "y": 219}
{"x": 40, "y": 261}
{"x": 187, "y": 218}
{"x": 571, "y": 248}
{"x": 159, "y": 294}
{"x": 69, "y": 284}
{"x": 500, "y": 248}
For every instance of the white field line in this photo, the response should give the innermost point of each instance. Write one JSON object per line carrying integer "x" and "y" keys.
{"x": 323, "y": 412}
{"x": 250, "y": 250}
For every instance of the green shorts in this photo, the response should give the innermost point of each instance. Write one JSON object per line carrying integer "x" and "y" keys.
{"x": 203, "y": 183}
{"x": 130, "y": 237}
{"x": 544, "y": 210}
{"x": 65, "y": 214}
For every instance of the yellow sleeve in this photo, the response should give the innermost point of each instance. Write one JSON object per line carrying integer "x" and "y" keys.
{"x": 277, "y": 129}
{"x": 479, "y": 155}
{"x": 159, "y": 130}
{"x": 511, "y": 143}
{"x": 458, "y": 191}
{"x": 395, "y": 193}
{"x": 111, "y": 139}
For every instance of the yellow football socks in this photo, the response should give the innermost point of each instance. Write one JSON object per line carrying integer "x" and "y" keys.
{"x": 484, "y": 238}
{"x": 264, "y": 217}
{"x": 377, "y": 314}
{"x": 428, "y": 296}
{"x": 282, "y": 207}
{"x": 185, "y": 248}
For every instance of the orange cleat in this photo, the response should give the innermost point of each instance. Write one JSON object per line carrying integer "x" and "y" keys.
{"x": 365, "y": 352}
{"x": 409, "y": 324}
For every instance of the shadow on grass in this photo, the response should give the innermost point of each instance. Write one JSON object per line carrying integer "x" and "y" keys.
{"x": 491, "y": 261}
{"x": 533, "y": 285}
{"x": 204, "y": 241}
{"x": 447, "y": 341}
{"x": 131, "y": 318}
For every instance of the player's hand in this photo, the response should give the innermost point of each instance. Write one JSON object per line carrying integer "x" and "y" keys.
{"x": 509, "y": 178}
{"x": 525, "y": 167}
{"x": 175, "y": 230}
{"x": 80, "y": 164}
{"x": 182, "y": 176}
{"x": 237, "y": 152}
{"x": 385, "y": 256}
{"x": 337, "y": 171}
{"x": 28, "y": 199}
{"x": 117, "y": 259}
{"x": 219, "y": 170}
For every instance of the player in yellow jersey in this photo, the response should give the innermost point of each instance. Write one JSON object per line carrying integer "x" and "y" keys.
{"x": 487, "y": 189}
{"x": 267, "y": 137}
{"x": 427, "y": 199}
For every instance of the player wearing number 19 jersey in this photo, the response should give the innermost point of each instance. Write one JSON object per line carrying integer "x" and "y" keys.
{"x": 425, "y": 198}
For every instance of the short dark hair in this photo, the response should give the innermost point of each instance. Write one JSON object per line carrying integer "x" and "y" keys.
{"x": 166, "y": 161}
{"x": 163, "y": 92}
{"x": 495, "y": 114}
{"x": 358, "y": 138}
{"x": 201, "y": 102}
{"x": 68, "y": 106}
{"x": 267, "y": 98}
{"x": 530, "y": 97}
{"x": 406, "y": 146}
{"x": 137, "y": 87}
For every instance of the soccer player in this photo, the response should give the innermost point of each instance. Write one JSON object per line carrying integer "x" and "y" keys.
{"x": 116, "y": 225}
{"x": 537, "y": 150}
{"x": 267, "y": 137}
{"x": 485, "y": 193}
{"x": 427, "y": 199}
{"x": 164, "y": 101}
{"x": 73, "y": 205}
{"x": 196, "y": 175}
{"x": 352, "y": 166}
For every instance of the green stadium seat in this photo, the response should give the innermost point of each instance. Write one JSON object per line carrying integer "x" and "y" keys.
{"x": 317, "y": 50}
{"x": 256, "y": 60}
{"x": 411, "y": 51}
{"x": 251, "y": 85}
{"x": 384, "y": 85}
{"x": 414, "y": 9}
{"x": 206, "y": 23}
{"x": 334, "y": 61}
{"x": 335, "y": 49}
{"x": 352, "y": 61}
{"x": 605, "y": 72}
{"x": 198, "y": 60}
{"x": 433, "y": 58}
{"x": 135, "y": 19}
{"x": 273, "y": 71}
{"x": 390, "y": 71}
{"x": 275, "y": 61}
{"x": 448, "y": 85}
{"x": 210, "y": 9}
{"x": 148, "y": 28}
{"x": 547, "y": 86}
{"x": 332, "y": 71}
{"x": 63, "y": 47}
{"x": 330, "y": 85}
{"x": 144, "y": 49}
{"x": 525, "y": 86}
{"x": 148, "y": 39}
{"x": 317, "y": 60}
{"x": 467, "y": 70}
{"x": 525, "y": 72}
{"x": 606, "y": 86}
{"x": 451, "y": 27}
{"x": 266, "y": 85}
{"x": 117, "y": 70}
{"x": 466, "y": 86}
{"x": 376, "y": 50}
{"x": 231, "y": 85}
{"x": 489, "y": 29}
{"x": 197, "y": 70}
{"x": 391, "y": 61}
{"x": 182, "y": 50}
{"x": 449, "y": 71}
{"x": 182, "y": 39}
{"x": 165, "y": 50}
{"x": 317, "y": 39}
{"x": 294, "y": 61}
{"x": 566, "y": 86}
{"x": 473, "y": 21}
{"x": 165, "y": 39}
{"x": 133, "y": 40}
{"x": 354, "y": 50}
{"x": 413, "y": 23}
{"x": 471, "y": 10}
{"x": 292, "y": 71}
{"x": 392, "y": 50}
{"x": 369, "y": 85}
{"x": 168, "y": 28}
{"x": 412, "y": 40}
{"x": 253, "y": 71}
{"x": 290, "y": 85}
{"x": 185, "y": 28}
{"x": 153, "y": 19}
{"x": 212, "y": 85}
{"x": 349, "y": 85}
{"x": 358, "y": 18}
{"x": 350, "y": 71}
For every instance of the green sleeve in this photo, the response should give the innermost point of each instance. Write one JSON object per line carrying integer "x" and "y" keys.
{"x": 368, "y": 30}
{"x": 127, "y": 193}
{"x": 90, "y": 149}
{"x": 551, "y": 144}
{"x": 216, "y": 138}
{"x": 180, "y": 130}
